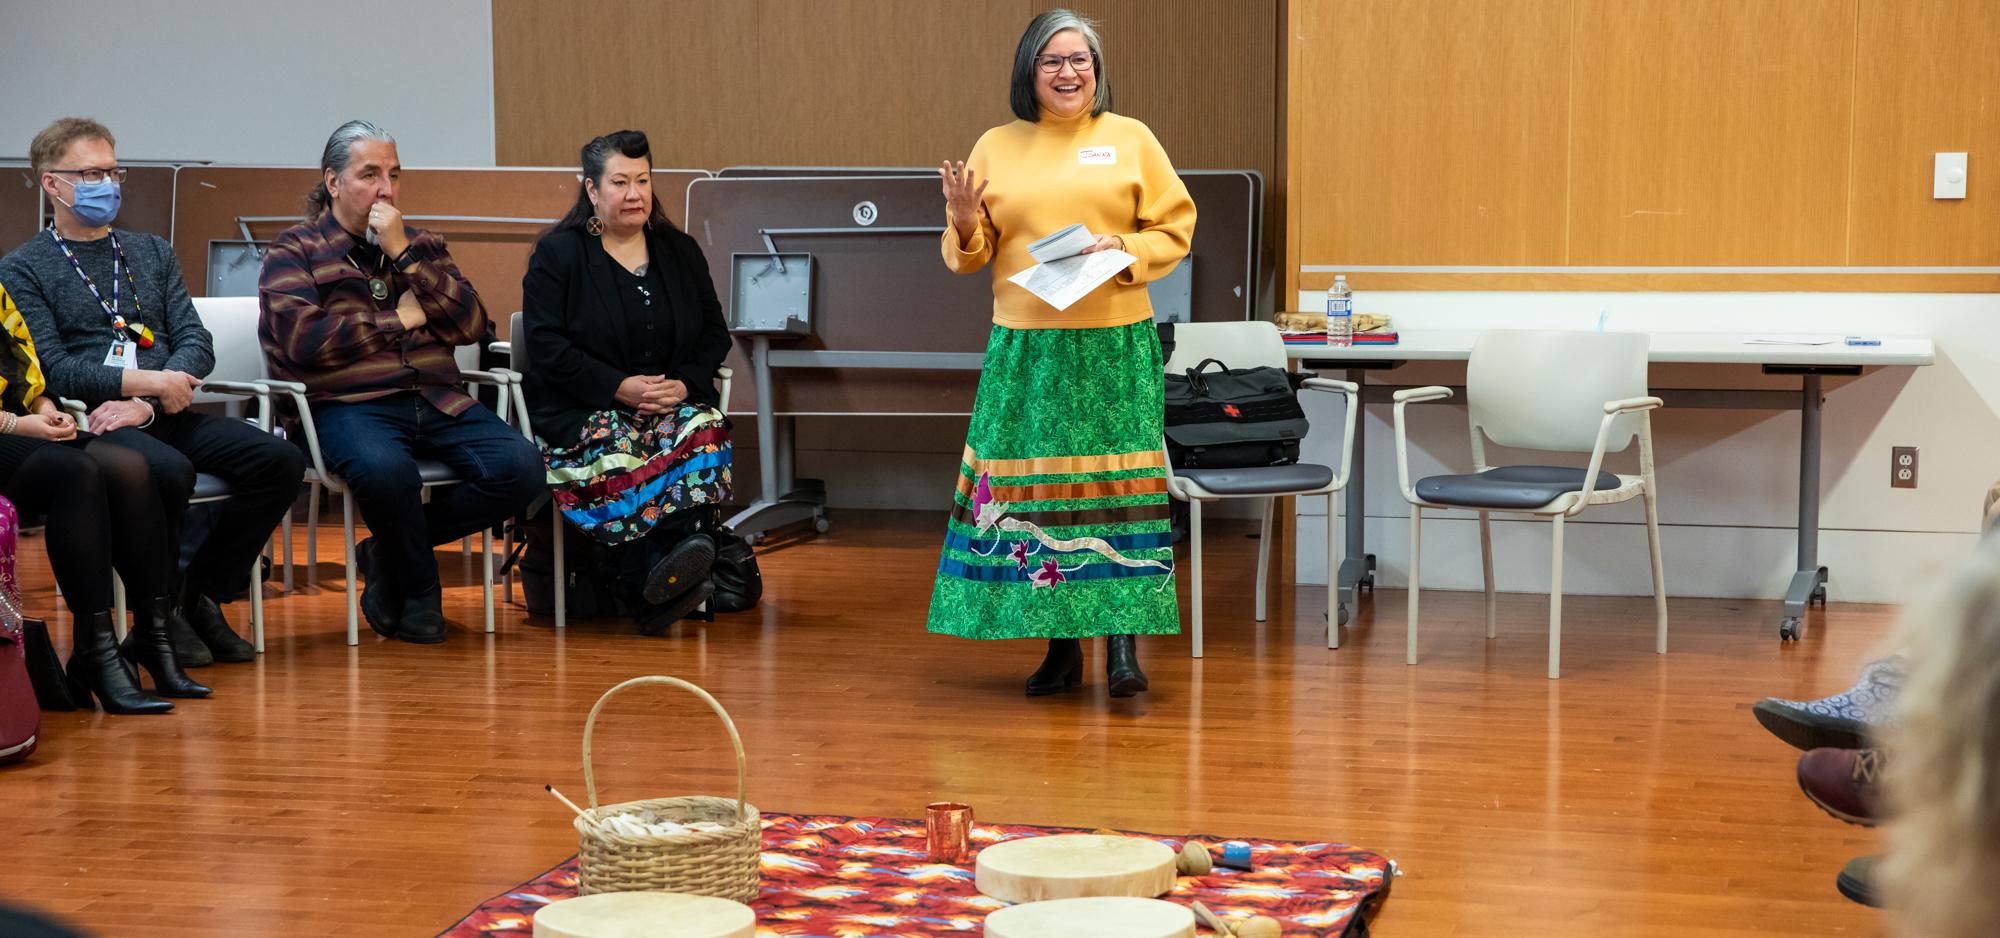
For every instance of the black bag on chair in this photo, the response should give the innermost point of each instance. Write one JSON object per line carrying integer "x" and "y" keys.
{"x": 1232, "y": 418}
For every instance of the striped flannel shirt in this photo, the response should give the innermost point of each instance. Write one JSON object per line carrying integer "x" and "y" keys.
{"x": 322, "y": 327}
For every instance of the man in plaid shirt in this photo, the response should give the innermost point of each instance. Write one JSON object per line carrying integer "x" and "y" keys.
{"x": 365, "y": 310}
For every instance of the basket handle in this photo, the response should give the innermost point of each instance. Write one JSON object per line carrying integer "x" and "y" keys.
{"x": 590, "y": 727}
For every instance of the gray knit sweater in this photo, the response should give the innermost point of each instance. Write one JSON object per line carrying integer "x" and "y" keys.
{"x": 72, "y": 332}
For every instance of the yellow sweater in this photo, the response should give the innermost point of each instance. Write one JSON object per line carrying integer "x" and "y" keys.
{"x": 1107, "y": 172}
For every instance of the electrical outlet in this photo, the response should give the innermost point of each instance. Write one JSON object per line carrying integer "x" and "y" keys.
{"x": 1902, "y": 467}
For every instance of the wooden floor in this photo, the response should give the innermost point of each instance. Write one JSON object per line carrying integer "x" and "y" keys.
{"x": 385, "y": 790}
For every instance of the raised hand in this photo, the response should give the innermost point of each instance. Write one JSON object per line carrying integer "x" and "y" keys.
{"x": 962, "y": 192}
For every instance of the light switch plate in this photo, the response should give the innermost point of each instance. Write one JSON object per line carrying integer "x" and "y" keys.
{"x": 1948, "y": 179}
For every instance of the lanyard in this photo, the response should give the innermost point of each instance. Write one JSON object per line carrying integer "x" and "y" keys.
{"x": 118, "y": 265}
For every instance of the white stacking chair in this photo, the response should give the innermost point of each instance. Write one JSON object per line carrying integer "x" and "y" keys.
{"x": 238, "y": 374}
{"x": 1567, "y": 392}
{"x": 1255, "y": 345}
{"x": 516, "y": 350}
{"x": 433, "y": 474}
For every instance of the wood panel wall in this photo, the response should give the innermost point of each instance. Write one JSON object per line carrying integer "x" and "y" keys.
{"x": 1640, "y": 133}
{"x": 719, "y": 83}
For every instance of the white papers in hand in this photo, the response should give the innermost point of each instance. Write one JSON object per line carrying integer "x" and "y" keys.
{"x": 1065, "y": 273}
{"x": 1068, "y": 242}
{"x": 1060, "y": 283}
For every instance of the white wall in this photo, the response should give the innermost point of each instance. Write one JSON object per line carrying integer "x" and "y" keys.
{"x": 1728, "y": 478}
{"x": 252, "y": 81}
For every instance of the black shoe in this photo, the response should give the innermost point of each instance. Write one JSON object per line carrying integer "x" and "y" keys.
{"x": 149, "y": 646}
{"x": 96, "y": 665}
{"x": 655, "y": 619}
{"x": 1061, "y": 669}
{"x": 422, "y": 621}
{"x": 205, "y": 617}
{"x": 379, "y": 604}
{"x": 1121, "y": 665}
{"x": 188, "y": 647}
{"x": 687, "y": 564}
{"x": 1857, "y": 881}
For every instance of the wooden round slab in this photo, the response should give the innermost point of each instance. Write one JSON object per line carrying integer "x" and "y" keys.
{"x": 1068, "y": 866}
{"x": 1095, "y": 917}
{"x": 645, "y": 915}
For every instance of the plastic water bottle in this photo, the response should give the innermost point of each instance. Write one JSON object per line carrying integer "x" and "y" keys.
{"x": 1340, "y": 314}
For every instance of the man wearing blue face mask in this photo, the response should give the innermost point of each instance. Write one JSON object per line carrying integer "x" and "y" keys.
{"x": 115, "y": 329}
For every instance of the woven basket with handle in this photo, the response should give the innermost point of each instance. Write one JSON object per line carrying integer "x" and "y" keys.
{"x": 721, "y": 863}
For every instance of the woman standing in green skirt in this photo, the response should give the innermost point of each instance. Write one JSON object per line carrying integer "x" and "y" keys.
{"x": 1060, "y": 523}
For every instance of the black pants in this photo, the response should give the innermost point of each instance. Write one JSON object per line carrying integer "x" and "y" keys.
{"x": 103, "y": 513}
{"x": 263, "y": 473}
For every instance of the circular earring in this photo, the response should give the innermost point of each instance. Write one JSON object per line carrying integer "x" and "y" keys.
{"x": 595, "y": 225}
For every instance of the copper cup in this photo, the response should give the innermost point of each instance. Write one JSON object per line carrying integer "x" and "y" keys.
{"x": 948, "y": 831}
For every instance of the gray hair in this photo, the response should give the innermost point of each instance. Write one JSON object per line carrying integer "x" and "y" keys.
{"x": 339, "y": 149}
{"x": 1042, "y": 29}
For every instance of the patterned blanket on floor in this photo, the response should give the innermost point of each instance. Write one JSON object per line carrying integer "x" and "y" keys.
{"x": 842, "y": 877}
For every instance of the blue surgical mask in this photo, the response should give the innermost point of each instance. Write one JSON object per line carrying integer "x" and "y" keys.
{"x": 96, "y": 203}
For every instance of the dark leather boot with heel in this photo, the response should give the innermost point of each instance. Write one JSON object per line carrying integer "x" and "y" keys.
{"x": 1121, "y": 665}
{"x": 1061, "y": 669}
{"x": 96, "y": 665}
{"x": 150, "y": 646}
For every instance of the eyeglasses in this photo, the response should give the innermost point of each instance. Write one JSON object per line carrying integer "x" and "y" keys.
{"x": 95, "y": 176}
{"x": 1054, "y": 63}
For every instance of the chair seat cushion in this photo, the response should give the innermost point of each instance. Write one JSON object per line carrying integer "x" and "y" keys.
{"x": 433, "y": 472}
{"x": 1509, "y": 487}
{"x": 208, "y": 487}
{"x": 1261, "y": 480}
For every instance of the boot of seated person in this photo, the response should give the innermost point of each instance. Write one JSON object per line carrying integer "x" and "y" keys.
{"x": 149, "y": 646}
{"x": 204, "y": 618}
{"x": 95, "y": 664}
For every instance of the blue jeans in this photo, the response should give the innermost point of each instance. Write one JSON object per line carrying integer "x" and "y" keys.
{"x": 374, "y": 446}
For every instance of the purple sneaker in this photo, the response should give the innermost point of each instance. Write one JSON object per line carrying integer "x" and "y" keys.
{"x": 1843, "y": 721}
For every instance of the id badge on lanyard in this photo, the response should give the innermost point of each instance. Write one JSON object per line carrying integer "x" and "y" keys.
{"x": 124, "y": 354}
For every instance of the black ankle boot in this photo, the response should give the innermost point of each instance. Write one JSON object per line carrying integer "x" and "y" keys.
{"x": 150, "y": 646}
{"x": 1061, "y": 670}
{"x": 1121, "y": 665}
{"x": 95, "y": 664}
{"x": 204, "y": 617}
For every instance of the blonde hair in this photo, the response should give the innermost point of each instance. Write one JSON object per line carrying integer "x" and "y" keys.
{"x": 1943, "y": 776}
{"x": 54, "y": 140}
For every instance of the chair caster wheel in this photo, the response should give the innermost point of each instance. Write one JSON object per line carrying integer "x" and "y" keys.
{"x": 822, "y": 525}
{"x": 1791, "y": 630}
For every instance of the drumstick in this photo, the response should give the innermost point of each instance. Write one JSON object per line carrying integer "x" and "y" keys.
{"x": 551, "y": 789}
{"x": 1209, "y": 918}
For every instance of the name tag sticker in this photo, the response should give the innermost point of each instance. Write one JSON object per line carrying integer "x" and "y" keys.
{"x": 1097, "y": 156}
{"x": 123, "y": 355}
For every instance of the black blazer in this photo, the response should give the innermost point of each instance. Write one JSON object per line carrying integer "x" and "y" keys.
{"x": 576, "y": 341}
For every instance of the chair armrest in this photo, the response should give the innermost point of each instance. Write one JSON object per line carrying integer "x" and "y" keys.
{"x": 1632, "y": 404}
{"x": 256, "y": 389}
{"x": 1351, "y": 393}
{"x": 501, "y": 348}
{"x": 1405, "y": 398}
{"x": 1435, "y": 392}
{"x": 245, "y": 388}
{"x": 297, "y": 392}
{"x": 493, "y": 378}
{"x": 78, "y": 411}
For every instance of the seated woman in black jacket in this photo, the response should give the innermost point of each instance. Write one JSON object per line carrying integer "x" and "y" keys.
{"x": 624, "y": 336}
